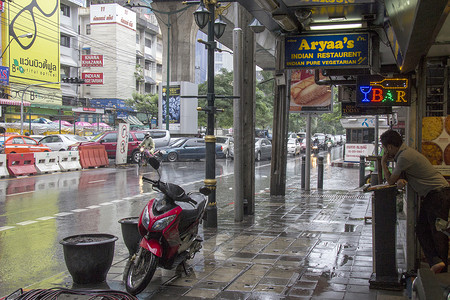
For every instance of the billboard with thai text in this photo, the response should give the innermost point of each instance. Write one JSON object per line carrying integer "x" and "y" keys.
{"x": 33, "y": 38}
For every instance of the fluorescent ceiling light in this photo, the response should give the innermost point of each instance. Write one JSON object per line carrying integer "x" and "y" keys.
{"x": 335, "y": 26}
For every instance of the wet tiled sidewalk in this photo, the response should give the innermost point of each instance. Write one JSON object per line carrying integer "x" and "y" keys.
{"x": 306, "y": 245}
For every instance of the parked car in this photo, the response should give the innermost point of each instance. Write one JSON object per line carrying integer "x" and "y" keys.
{"x": 61, "y": 142}
{"x": 263, "y": 149}
{"x": 226, "y": 142}
{"x": 293, "y": 146}
{"x": 21, "y": 144}
{"x": 160, "y": 137}
{"x": 188, "y": 148}
{"x": 109, "y": 140}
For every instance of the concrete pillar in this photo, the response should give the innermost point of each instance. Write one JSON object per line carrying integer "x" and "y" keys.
{"x": 280, "y": 126}
{"x": 183, "y": 34}
{"x": 247, "y": 106}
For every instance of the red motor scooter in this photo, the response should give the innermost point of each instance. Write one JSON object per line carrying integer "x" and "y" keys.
{"x": 169, "y": 227}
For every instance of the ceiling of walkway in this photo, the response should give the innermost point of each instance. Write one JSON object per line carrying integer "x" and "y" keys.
{"x": 420, "y": 27}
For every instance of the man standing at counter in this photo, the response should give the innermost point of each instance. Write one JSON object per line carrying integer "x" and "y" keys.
{"x": 430, "y": 185}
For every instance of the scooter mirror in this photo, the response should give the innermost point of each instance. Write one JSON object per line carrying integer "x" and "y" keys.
{"x": 154, "y": 163}
{"x": 205, "y": 190}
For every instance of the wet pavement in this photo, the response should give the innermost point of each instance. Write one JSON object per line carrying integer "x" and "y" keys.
{"x": 305, "y": 245}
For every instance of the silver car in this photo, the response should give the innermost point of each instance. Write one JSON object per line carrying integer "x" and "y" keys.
{"x": 61, "y": 142}
{"x": 227, "y": 144}
{"x": 263, "y": 149}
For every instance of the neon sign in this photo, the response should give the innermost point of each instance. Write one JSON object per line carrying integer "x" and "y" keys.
{"x": 375, "y": 90}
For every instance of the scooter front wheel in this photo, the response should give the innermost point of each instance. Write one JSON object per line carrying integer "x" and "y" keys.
{"x": 140, "y": 271}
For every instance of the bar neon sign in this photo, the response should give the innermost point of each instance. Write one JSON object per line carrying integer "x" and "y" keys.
{"x": 375, "y": 90}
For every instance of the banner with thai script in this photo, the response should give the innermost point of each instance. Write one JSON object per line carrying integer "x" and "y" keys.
{"x": 354, "y": 151}
{"x": 330, "y": 51}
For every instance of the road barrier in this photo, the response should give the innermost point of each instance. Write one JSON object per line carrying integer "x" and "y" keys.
{"x": 47, "y": 162}
{"x": 93, "y": 156}
{"x": 21, "y": 164}
{"x": 3, "y": 169}
{"x": 69, "y": 160}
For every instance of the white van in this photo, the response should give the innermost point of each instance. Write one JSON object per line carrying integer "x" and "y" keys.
{"x": 161, "y": 137}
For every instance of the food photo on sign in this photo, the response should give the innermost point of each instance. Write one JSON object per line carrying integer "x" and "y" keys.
{"x": 306, "y": 95}
{"x": 436, "y": 142}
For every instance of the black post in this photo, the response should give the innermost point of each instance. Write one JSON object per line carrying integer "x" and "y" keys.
{"x": 362, "y": 169}
{"x": 320, "y": 173}
{"x": 210, "y": 139}
{"x": 303, "y": 171}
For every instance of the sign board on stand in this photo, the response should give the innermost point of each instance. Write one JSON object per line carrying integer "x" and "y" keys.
{"x": 122, "y": 143}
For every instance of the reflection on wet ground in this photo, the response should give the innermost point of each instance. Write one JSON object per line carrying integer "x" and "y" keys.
{"x": 306, "y": 245}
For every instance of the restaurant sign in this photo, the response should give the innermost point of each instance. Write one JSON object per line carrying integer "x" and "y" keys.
{"x": 330, "y": 51}
{"x": 376, "y": 90}
{"x": 88, "y": 61}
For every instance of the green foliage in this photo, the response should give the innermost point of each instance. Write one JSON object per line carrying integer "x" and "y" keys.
{"x": 139, "y": 73}
{"x": 144, "y": 103}
{"x": 223, "y": 86}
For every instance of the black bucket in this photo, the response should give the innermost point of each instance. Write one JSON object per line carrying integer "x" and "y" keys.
{"x": 89, "y": 256}
{"x": 130, "y": 233}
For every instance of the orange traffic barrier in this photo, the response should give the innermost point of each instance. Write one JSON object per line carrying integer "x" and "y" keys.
{"x": 93, "y": 156}
{"x": 21, "y": 164}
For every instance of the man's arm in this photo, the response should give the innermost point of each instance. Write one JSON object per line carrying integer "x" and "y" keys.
{"x": 390, "y": 178}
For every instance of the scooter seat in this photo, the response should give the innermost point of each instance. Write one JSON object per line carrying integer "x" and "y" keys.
{"x": 191, "y": 212}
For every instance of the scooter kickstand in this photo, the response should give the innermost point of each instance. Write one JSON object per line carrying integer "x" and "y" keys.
{"x": 184, "y": 268}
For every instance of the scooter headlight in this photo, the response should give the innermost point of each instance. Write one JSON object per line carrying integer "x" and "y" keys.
{"x": 145, "y": 217}
{"x": 142, "y": 149}
{"x": 163, "y": 223}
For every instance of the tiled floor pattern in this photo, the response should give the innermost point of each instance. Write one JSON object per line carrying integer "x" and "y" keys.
{"x": 306, "y": 245}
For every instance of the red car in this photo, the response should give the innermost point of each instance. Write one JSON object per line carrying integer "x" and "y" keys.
{"x": 109, "y": 140}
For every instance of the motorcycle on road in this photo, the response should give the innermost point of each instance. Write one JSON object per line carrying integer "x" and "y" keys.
{"x": 145, "y": 154}
{"x": 168, "y": 225}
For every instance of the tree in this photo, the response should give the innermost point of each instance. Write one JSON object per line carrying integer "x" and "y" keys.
{"x": 223, "y": 85}
{"x": 144, "y": 103}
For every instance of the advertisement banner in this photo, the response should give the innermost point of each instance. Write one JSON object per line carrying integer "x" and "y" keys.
{"x": 330, "y": 51}
{"x": 174, "y": 107}
{"x": 379, "y": 91}
{"x": 34, "y": 41}
{"x": 436, "y": 142}
{"x": 354, "y": 151}
{"x": 88, "y": 61}
{"x": 306, "y": 96}
{"x": 113, "y": 13}
{"x": 122, "y": 143}
{"x": 92, "y": 78}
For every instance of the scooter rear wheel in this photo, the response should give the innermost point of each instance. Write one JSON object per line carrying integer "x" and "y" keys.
{"x": 140, "y": 272}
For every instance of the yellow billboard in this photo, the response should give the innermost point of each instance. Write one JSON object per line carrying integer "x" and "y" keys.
{"x": 33, "y": 38}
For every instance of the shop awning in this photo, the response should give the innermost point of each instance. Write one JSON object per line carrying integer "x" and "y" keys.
{"x": 68, "y": 61}
{"x": 13, "y": 102}
{"x": 131, "y": 120}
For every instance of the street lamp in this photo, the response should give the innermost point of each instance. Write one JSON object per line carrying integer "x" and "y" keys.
{"x": 206, "y": 16}
{"x": 168, "y": 13}
{"x": 27, "y": 35}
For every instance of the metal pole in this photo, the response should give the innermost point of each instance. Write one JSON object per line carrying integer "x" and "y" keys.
{"x": 303, "y": 172}
{"x": 168, "y": 72}
{"x": 320, "y": 173}
{"x": 237, "y": 131}
{"x": 376, "y": 141}
{"x": 362, "y": 169}
{"x": 308, "y": 153}
{"x": 210, "y": 139}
